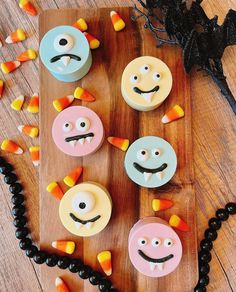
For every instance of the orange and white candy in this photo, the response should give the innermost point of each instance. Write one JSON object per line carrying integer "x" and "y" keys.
{"x": 178, "y": 223}
{"x": 28, "y": 7}
{"x": 117, "y": 21}
{"x": 54, "y": 189}
{"x": 93, "y": 42}
{"x": 16, "y": 36}
{"x": 10, "y": 66}
{"x": 34, "y": 153}
{"x": 64, "y": 245}
{"x": 63, "y": 102}
{"x": 71, "y": 179}
{"x": 61, "y": 286}
{"x": 83, "y": 94}
{"x": 172, "y": 115}
{"x": 11, "y": 147}
{"x": 28, "y": 55}
{"x": 18, "y": 103}
{"x": 33, "y": 106}
{"x": 120, "y": 143}
{"x": 1, "y": 87}
{"x": 80, "y": 24}
{"x": 28, "y": 130}
{"x": 1, "y": 43}
{"x": 104, "y": 259}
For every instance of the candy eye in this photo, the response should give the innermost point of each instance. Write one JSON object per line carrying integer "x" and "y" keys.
{"x": 63, "y": 43}
{"x": 168, "y": 242}
{"x": 156, "y": 152}
{"x": 144, "y": 69}
{"x": 134, "y": 78}
{"x": 83, "y": 124}
{"x": 156, "y": 76}
{"x": 83, "y": 202}
{"x": 156, "y": 242}
{"x": 67, "y": 127}
{"x": 142, "y": 155}
{"x": 142, "y": 241}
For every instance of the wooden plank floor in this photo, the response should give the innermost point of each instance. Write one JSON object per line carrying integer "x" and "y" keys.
{"x": 214, "y": 150}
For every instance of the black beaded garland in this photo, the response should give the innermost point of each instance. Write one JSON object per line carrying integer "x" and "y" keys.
{"x": 199, "y": 289}
{"x": 2, "y": 161}
{"x": 206, "y": 244}
{"x": 214, "y": 223}
{"x": 210, "y": 234}
{"x": 15, "y": 188}
{"x": 74, "y": 266}
{"x": 231, "y": 208}
{"x": 6, "y": 168}
{"x": 204, "y": 256}
{"x": 95, "y": 278}
{"x": 20, "y": 221}
{"x": 31, "y": 251}
{"x": 51, "y": 260}
{"x": 84, "y": 272}
{"x": 18, "y": 210}
{"x": 204, "y": 269}
{"x": 10, "y": 178}
{"x": 105, "y": 285}
{"x": 21, "y": 232}
{"x": 25, "y": 243}
{"x": 222, "y": 214}
{"x": 17, "y": 199}
{"x": 203, "y": 281}
{"x": 63, "y": 262}
{"x": 40, "y": 257}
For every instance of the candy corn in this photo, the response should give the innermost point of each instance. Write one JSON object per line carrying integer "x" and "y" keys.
{"x": 174, "y": 114}
{"x": 120, "y": 143}
{"x": 28, "y": 55}
{"x": 28, "y": 130}
{"x": 161, "y": 204}
{"x": 55, "y": 190}
{"x": 81, "y": 24}
{"x": 33, "y": 106}
{"x": 1, "y": 87}
{"x": 0, "y": 43}
{"x": 104, "y": 259}
{"x": 73, "y": 176}
{"x": 34, "y": 153}
{"x": 93, "y": 42}
{"x": 117, "y": 21}
{"x": 8, "y": 67}
{"x": 61, "y": 103}
{"x": 11, "y": 147}
{"x": 17, "y": 103}
{"x": 178, "y": 223}
{"x": 16, "y": 36}
{"x": 28, "y": 7}
{"x": 64, "y": 245}
{"x": 61, "y": 286}
{"x": 83, "y": 94}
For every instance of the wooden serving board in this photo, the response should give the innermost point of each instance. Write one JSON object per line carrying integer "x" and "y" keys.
{"x": 130, "y": 202}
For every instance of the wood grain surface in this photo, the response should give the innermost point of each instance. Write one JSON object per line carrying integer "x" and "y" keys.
{"x": 106, "y": 166}
{"x": 214, "y": 145}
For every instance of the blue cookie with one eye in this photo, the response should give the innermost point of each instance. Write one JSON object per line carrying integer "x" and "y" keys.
{"x": 150, "y": 162}
{"x": 65, "y": 52}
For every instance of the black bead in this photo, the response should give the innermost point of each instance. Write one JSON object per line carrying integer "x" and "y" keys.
{"x": 21, "y": 232}
{"x": 203, "y": 281}
{"x": 210, "y": 234}
{"x": 6, "y": 168}
{"x": 31, "y": 251}
{"x": 231, "y": 208}
{"x": 204, "y": 269}
{"x": 222, "y": 214}
{"x": 206, "y": 244}
{"x": 105, "y": 285}
{"x": 204, "y": 256}
{"x": 17, "y": 199}
{"x": 2, "y": 161}
{"x": 199, "y": 289}
{"x": 214, "y": 223}
{"x": 51, "y": 260}
{"x": 113, "y": 290}
{"x": 25, "y": 243}
{"x": 18, "y": 210}
{"x": 74, "y": 266}
{"x": 10, "y": 178}
{"x": 63, "y": 262}
{"x": 95, "y": 278}
{"x": 20, "y": 221}
{"x": 15, "y": 188}
{"x": 85, "y": 272}
{"x": 40, "y": 257}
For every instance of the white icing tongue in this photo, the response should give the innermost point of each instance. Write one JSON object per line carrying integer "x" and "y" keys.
{"x": 65, "y": 60}
{"x": 153, "y": 266}
{"x": 148, "y": 96}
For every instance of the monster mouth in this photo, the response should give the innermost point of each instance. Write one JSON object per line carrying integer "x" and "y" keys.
{"x": 148, "y": 172}
{"x": 148, "y": 94}
{"x": 65, "y": 58}
{"x": 88, "y": 223}
{"x": 159, "y": 263}
{"x": 81, "y": 138}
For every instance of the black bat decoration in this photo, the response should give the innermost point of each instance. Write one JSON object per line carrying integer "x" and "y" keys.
{"x": 203, "y": 41}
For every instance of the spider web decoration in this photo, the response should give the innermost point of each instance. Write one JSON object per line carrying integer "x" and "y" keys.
{"x": 202, "y": 40}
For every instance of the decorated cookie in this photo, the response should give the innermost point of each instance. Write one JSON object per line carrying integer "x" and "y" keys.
{"x": 155, "y": 249}
{"x": 78, "y": 131}
{"x": 85, "y": 209}
{"x": 150, "y": 162}
{"x": 65, "y": 52}
{"x": 146, "y": 82}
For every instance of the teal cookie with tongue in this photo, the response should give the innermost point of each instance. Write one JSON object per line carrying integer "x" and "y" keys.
{"x": 150, "y": 162}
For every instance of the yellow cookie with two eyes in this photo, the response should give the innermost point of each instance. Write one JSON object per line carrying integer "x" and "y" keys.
{"x": 85, "y": 209}
{"x": 146, "y": 83}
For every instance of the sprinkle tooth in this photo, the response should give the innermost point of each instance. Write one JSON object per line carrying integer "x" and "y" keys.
{"x": 160, "y": 175}
{"x": 65, "y": 60}
{"x": 78, "y": 225}
{"x": 89, "y": 139}
{"x": 152, "y": 266}
{"x": 160, "y": 266}
{"x": 148, "y": 96}
{"x": 81, "y": 141}
{"x": 72, "y": 143}
{"x": 147, "y": 175}
{"x": 89, "y": 225}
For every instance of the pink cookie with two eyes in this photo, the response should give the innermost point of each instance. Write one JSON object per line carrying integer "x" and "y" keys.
{"x": 155, "y": 249}
{"x": 78, "y": 131}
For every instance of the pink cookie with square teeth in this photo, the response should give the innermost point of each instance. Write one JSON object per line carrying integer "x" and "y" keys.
{"x": 155, "y": 249}
{"x": 78, "y": 131}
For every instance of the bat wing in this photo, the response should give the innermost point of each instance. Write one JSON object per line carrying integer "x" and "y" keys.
{"x": 198, "y": 14}
{"x": 229, "y": 28}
